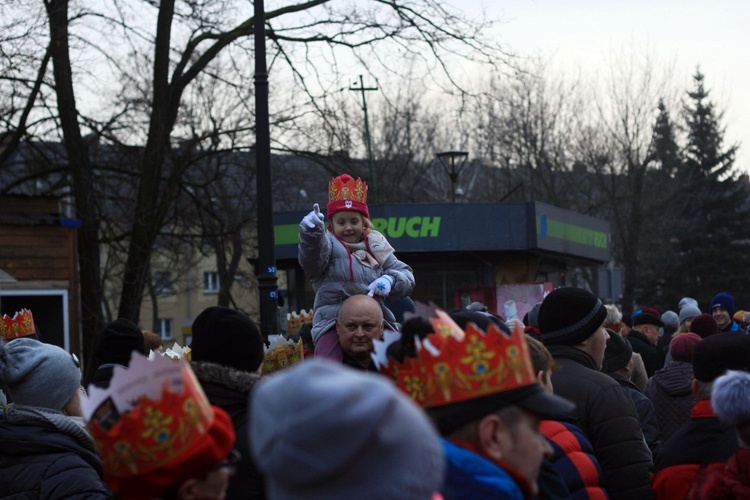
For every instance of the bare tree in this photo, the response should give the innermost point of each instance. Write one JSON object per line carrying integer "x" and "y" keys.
{"x": 618, "y": 148}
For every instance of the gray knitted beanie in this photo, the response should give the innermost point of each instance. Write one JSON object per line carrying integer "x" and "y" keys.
{"x": 38, "y": 374}
{"x": 320, "y": 430}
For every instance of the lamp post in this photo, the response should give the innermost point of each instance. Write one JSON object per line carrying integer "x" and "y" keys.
{"x": 267, "y": 288}
{"x": 453, "y": 162}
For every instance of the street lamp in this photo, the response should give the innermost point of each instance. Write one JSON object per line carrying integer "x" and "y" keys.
{"x": 453, "y": 162}
{"x": 267, "y": 287}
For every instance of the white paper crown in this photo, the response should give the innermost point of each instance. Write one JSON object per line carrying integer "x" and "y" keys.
{"x": 142, "y": 378}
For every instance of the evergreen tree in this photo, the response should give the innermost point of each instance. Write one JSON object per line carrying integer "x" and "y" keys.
{"x": 710, "y": 250}
{"x": 665, "y": 150}
{"x": 662, "y": 202}
{"x": 704, "y": 156}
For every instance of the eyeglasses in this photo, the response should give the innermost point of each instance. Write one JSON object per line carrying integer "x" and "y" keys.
{"x": 75, "y": 360}
{"x": 230, "y": 463}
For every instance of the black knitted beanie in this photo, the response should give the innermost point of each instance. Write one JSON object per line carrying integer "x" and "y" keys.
{"x": 568, "y": 316}
{"x": 228, "y": 338}
{"x": 117, "y": 341}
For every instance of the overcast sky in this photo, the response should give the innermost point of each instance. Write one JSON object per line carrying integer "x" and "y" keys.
{"x": 713, "y": 34}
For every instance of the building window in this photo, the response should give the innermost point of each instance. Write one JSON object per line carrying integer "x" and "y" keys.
{"x": 165, "y": 328}
{"x": 162, "y": 283}
{"x": 210, "y": 282}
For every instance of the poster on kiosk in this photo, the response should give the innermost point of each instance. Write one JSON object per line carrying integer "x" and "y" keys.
{"x": 508, "y": 301}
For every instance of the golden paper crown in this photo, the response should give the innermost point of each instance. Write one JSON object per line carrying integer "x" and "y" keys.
{"x": 295, "y": 319}
{"x": 345, "y": 193}
{"x": 152, "y": 413}
{"x": 449, "y": 369}
{"x": 20, "y": 325}
{"x": 282, "y": 353}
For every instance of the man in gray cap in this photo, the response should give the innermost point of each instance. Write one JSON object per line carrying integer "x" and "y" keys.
{"x": 320, "y": 430}
{"x": 46, "y": 450}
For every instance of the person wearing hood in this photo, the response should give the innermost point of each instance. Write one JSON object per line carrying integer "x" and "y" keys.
{"x": 46, "y": 450}
{"x": 670, "y": 389}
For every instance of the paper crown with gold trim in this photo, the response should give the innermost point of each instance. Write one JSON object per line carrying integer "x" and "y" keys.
{"x": 459, "y": 376}
{"x": 345, "y": 193}
{"x": 295, "y": 319}
{"x": 453, "y": 365}
{"x": 175, "y": 353}
{"x": 154, "y": 427}
{"x": 20, "y": 325}
{"x": 281, "y": 353}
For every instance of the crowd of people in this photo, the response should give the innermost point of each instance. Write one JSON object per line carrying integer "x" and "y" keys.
{"x": 395, "y": 399}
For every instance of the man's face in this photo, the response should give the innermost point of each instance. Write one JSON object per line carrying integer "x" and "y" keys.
{"x": 348, "y": 226}
{"x": 357, "y": 325}
{"x": 214, "y": 485}
{"x": 721, "y": 316}
{"x": 598, "y": 343}
{"x": 651, "y": 332}
{"x": 527, "y": 448}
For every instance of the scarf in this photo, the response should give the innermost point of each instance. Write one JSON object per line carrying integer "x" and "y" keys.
{"x": 372, "y": 251}
{"x": 72, "y": 426}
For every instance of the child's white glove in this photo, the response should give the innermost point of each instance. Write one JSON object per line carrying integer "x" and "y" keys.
{"x": 314, "y": 219}
{"x": 381, "y": 286}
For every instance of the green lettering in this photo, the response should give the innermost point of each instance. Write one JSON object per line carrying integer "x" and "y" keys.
{"x": 412, "y": 227}
{"x": 430, "y": 227}
{"x": 396, "y": 227}
{"x": 380, "y": 224}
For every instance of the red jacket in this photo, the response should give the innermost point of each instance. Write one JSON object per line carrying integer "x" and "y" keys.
{"x": 704, "y": 444}
{"x": 733, "y": 481}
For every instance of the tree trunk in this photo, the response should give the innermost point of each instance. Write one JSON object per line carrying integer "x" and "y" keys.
{"x": 80, "y": 167}
{"x": 154, "y": 196}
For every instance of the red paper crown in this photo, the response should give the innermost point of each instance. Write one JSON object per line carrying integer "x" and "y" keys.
{"x": 160, "y": 442}
{"x": 21, "y": 325}
{"x": 345, "y": 193}
{"x": 450, "y": 370}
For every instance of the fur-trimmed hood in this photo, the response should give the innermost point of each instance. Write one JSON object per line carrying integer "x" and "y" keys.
{"x": 222, "y": 375}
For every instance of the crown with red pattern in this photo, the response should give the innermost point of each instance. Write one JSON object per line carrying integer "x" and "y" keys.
{"x": 154, "y": 427}
{"x": 20, "y": 325}
{"x": 345, "y": 193}
{"x": 453, "y": 366}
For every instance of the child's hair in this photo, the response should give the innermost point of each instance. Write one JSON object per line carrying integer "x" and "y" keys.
{"x": 541, "y": 359}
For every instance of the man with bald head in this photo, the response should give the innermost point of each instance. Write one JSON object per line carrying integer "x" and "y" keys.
{"x": 359, "y": 321}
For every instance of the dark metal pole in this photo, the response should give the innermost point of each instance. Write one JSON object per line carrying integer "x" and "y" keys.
{"x": 267, "y": 288}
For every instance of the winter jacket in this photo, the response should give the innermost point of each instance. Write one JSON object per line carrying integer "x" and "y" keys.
{"x": 652, "y": 359}
{"x": 336, "y": 275}
{"x": 573, "y": 458}
{"x": 733, "y": 481}
{"x": 607, "y": 415}
{"x": 670, "y": 389}
{"x": 470, "y": 475}
{"x": 646, "y": 413}
{"x": 551, "y": 485}
{"x": 229, "y": 389}
{"x": 704, "y": 443}
{"x": 45, "y": 454}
